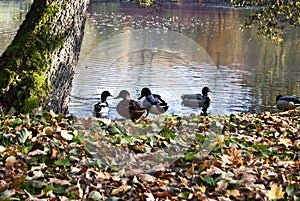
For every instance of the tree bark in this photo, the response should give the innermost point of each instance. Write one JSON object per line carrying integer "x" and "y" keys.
{"x": 37, "y": 68}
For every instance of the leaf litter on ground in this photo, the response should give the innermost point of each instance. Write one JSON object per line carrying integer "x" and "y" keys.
{"x": 236, "y": 157}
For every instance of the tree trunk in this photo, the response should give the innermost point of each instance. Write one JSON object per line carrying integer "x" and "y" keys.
{"x": 37, "y": 68}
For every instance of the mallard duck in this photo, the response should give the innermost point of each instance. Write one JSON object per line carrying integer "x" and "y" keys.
{"x": 101, "y": 108}
{"x": 197, "y": 100}
{"x": 128, "y": 108}
{"x": 287, "y": 102}
{"x": 153, "y": 102}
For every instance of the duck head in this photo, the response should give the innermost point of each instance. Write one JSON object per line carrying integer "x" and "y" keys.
{"x": 124, "y": 94}
{"x": 144, "y": 93}
{"x": 278, "y": 97}
{"x": 104, "y": 96}
{"x": 205, "y": 91}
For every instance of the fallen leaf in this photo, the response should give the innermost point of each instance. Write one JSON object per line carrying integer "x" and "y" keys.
{"x": 221, "y": 185}
{"x": 212, "y": 170}
{"x": 66, "y": 135}
{"x": 275, "y": 192}
{"x": 120, "y": 189}
{"x": 150, "y": 196}
{"x": 234, "y": 193}
{"x": 2, "y": 149}
{"x": 147, "y": 178}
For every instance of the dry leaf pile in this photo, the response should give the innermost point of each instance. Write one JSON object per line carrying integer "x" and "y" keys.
{"x": 236, "y": 157}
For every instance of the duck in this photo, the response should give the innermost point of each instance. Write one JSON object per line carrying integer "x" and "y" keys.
{"x": 287, "y": 102}
{"x": 101, "y": 108}
{"x": 129, "y": 108}
{"x": 197, "y": 100}
{"x": 153, "y": 102}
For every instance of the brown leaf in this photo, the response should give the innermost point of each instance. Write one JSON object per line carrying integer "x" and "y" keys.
{"x": 222, "y": 185}
{"x": 147, "y": 178}
{"x": 3, "y": 185}
{"x": 206, "y": 164}
{"x": 58, "y": 181}
{"x": 37, "y": 152}
{"x": 150, "y": 196}
{"x": 48, "y": 131}
{"x": 55, "y": 153}
{"x": 212, "y": 170}
{"x": 101, "y": 176}
{"x": 10, "y": 161}
{"x": 120, "y": 189}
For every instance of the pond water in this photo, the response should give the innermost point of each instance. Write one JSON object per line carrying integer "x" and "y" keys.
{"x": 175, "y": 51}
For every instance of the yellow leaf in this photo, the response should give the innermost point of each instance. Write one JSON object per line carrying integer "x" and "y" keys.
{"x": 120, "y": 189}
{"x": 202, "y": 189}
{"x": 275, "y": 192}
{"x": 267, "y": 115}
{"x": 286, "y": 142}
{"x": 235, "y": 193}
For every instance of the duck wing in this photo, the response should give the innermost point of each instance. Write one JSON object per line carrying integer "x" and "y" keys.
{"x": 160, "y": 100}
{"x": 136, "y": 110}
{"x": 123, "y": 109}
{"x": 153, "y": 99}
{"x": 195, "y": 100}
{"x": 134, "y": 105}
{"x": 191, "y": 96}
{"x": 290, "y": 98}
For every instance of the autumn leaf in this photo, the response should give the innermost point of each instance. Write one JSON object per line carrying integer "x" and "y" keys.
{"x": 275, "y": 192}
{"x": 150, "y": 196}
{"x": 234, "y": 193}
{"x": 120, "y": 189}
{"x": 66, "y": 135}
{"x": 24, "y": 135}
{"x": 63, "y": 162}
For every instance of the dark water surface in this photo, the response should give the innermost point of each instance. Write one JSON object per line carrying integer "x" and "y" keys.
{"x": 175, "y": 51}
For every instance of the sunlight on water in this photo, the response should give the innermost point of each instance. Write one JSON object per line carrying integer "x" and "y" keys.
{"x": 167, "y": 62}
{"x": 126, "y": 48}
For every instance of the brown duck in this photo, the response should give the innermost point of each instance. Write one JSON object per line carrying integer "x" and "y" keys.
{"x": 128, "y": 108}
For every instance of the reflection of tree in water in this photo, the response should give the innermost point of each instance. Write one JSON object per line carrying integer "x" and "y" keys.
{"x": 154, "y": 57}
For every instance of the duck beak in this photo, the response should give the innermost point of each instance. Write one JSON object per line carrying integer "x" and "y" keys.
{"x": 117, "y": 97}
{"x": 139, "y": 98}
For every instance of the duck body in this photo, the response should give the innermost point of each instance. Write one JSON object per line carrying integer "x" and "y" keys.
{"x": 153, "y": 102}
{"x": 128, "y": 108}
{"x": 287, "y": 102}
{"x": 101, "y": 108}
{"x": 197, "y": 100}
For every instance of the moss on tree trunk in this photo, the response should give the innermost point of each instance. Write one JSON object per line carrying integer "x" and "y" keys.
{"x": 37, "y": 68}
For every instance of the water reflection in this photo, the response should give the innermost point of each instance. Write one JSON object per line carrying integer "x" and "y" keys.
{"x": 206, "y": 47}
{"x": 251, "y": 69}
{"x": 12, "y": 15}
{"x": 167, "y": 62}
